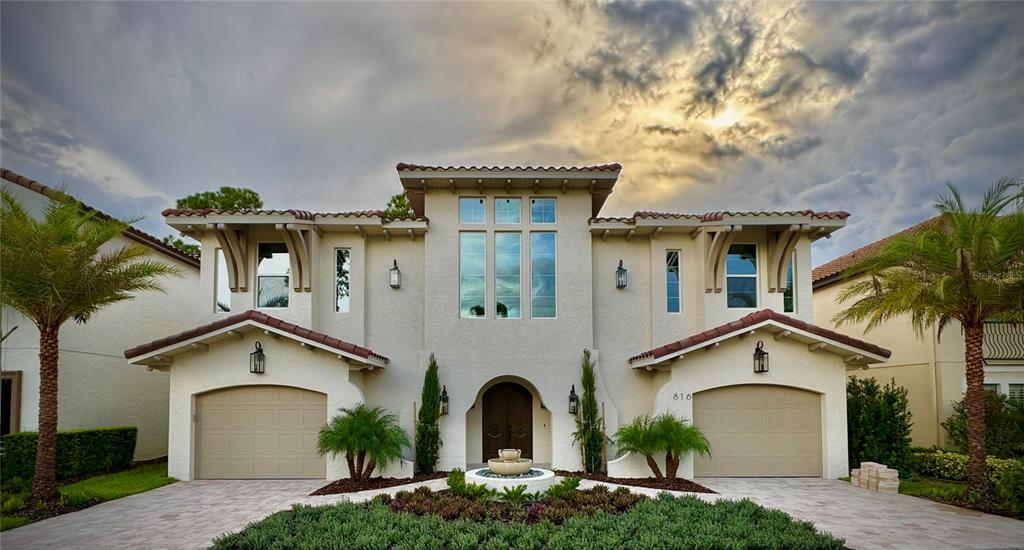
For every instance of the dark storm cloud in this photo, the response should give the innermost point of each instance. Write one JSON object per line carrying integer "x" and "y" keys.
{"x": 665, "y": 130}
{"x": 663, "y": 25}
{"x": 729, "y": 57}
{"x": 784, "y": 148}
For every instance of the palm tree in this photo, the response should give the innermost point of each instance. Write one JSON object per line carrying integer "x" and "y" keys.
{"x": 665, "y": 433}
{"x": 360, "y": 433}
{"x": 968, "y": 267}
{"x": 53, "y": 271}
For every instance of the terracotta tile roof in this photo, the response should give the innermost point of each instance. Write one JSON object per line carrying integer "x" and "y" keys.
{"x": 830, "y": 272}
{"x": 132, "y": 233}
{"x": 408, "y": 167}
{"x": 263, "y": 319}
{"x": 718, "y": 216}
{"x": 299, "y": 214}
{"x": 751, "y": 320}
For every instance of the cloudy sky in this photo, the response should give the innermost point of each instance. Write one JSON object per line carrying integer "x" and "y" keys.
{"x": 870, "y": 108}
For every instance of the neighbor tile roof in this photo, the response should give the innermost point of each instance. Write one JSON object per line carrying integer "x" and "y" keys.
{"x": 299, "y": 214}
{"x": 263, "y": 319}
{"x": 132, "y": 233}
{"x": 751, "y": 320}
{"x": 408, "y": 167}
{"x": 830, "y": 271}
{"x": 720, "y": 215}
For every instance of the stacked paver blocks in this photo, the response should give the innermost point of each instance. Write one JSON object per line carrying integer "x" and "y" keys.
{"x": 876, "y": 477}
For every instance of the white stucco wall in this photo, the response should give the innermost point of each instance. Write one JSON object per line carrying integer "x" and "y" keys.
{"x": 96, "y": 385}
{"x": 226, "y": 364}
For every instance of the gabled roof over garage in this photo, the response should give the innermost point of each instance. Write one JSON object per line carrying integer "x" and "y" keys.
{"x": 856, "y": 352}
{"x": 162, "y": 351}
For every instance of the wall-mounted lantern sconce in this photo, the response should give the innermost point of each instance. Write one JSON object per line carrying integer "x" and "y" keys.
{"x": 396, "y": 276}
{"x": 574, "y": 401}
{"x": 444, "y": 400}
{"x": 620, "y": 276}
{"x": 760, "y": 358}
{"x": 257, "y": 361}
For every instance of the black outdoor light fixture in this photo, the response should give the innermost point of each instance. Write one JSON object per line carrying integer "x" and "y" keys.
{"x": 444, "y": 400}
{"x": 620, "y": 276}
{"x": 257, "y": 361}
{"x": 760, "y": 358}
{"x": 396, "y": 276}
{"x": 574, "y": 401}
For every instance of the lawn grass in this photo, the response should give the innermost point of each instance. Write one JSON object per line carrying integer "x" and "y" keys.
{"x": 84, "y": 493}
{"x": 934, "y": 489}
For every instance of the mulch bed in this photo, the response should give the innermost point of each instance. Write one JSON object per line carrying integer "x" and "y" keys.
{"x": 677, "y": 484}
{"x": 352, "y": 486}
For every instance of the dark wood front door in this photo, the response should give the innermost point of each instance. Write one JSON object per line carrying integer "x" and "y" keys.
{"x": 508, "y": 419}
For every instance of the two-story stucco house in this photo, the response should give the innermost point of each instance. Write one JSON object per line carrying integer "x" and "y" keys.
{"x": 506, "y": 274}
{"x": 96, "y": 387}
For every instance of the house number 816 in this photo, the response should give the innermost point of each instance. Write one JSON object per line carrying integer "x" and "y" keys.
{"x": 677, "y": 396}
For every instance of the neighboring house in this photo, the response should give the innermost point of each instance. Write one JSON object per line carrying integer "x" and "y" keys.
{"x": 97, "y": 388}
{"x": 929, "y": 367}
{"x": 506, "y": 274}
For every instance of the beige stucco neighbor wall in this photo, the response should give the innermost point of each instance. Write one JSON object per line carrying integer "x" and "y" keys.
{"x": 226, "y": 364}
{"x": 791, "y": 365}
{"x": 96, "y": 385}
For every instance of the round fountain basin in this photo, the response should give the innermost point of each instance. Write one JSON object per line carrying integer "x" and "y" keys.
{"x": 509, "y": 467}
{"x": 535, "y": 479}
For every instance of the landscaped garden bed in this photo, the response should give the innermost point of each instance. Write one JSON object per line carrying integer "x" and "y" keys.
{"x": 355, "y": 485}
{"x": 664, "y": 484}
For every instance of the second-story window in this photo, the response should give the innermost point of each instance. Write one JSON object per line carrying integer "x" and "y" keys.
{"x": 222, "y": 298}
{"x": 788, "y": 295}
{"x": 507, "y": 210}
{"x": 471, "y": 210}
{"x": 342, "y": 268}
{"x": 472, "y": 274}
{"x": 673, "y": 299}
{"x": 272, "y": 270}
{"x": 507, "y": 263}
{"x": 542, "y": 210}
{"x": 741, "y": 276}
{"x": 542, "y": 275}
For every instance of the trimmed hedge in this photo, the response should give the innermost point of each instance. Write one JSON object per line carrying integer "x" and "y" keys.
{"x": 953, "y": 466}
{"x": 79, "y": 452}
{"x": 878, "y": 424}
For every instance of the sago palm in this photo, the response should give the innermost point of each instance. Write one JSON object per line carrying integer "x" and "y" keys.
{"x": 967, "y": 267}
{"x": 55, "y": 268}
{"x": 367, "y": 436}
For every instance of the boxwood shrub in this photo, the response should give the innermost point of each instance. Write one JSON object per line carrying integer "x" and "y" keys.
{"x": 953, "y": 466}
{"x": 79, "y": 452}
{"x": 664, "y": 522}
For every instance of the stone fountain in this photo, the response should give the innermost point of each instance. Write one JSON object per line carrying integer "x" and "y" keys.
{"x": 509, "y": 470}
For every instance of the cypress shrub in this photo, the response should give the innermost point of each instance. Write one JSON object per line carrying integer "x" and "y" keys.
{"x": 589, "y": 423}
{"x": 428, "y": 432}
{"x": 878, "y": 424}
{"x": 79, "y": 452}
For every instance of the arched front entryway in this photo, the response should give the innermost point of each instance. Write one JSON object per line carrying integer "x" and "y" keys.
{"x": 759, "y": 430}
{"x": 507, "y": 419}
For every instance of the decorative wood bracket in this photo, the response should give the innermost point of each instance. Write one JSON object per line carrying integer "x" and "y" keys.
{"x": 716, "y": 249}
{"x": 233, "y": 243}
{"x": 297, "y": 238}
{"x": 780, "y": 250}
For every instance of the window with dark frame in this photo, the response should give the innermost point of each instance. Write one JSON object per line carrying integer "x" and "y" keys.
{"x": 272, "y": 272}
{"x": 741, "y": 276}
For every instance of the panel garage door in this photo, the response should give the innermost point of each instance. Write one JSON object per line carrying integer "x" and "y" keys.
{"x": 259, "y": 432}
{"x": 759, "y": 430}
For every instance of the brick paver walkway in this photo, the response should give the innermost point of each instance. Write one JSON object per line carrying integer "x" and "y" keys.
{"x": 190, "y": 514}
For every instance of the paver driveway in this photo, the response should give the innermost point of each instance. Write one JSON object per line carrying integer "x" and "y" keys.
{"x": 868, "y": 520}
{"x": 190, "y": 514}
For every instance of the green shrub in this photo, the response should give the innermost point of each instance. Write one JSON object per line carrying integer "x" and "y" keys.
{"x": 589, "y": 422}
{"x": 457, "y": 485}
{"x": 1010, "y": 486}
{"x": 428, "y": 432}
{"x": 515, "y": 497}
{"x": 953, "y": 466}
{"x": 878, "y": 424}
{"x": 664, "y": 522}
{"x": 13, "y": 503}
{"x": 79, "y": 452}
{"x": 1004, "y": 426}
{"x": 368, "y": 437}
{"x": 563, "y": 488}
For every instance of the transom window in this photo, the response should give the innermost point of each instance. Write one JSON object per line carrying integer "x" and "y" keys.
{"x": 507, "y": 265}
{"x": 472, "y": 274}
{"x": 673, "y": 300}
{"x": 542, "y": 210}
{"x": 222, "y": 300}
{"x": 507, "y": 210}
{"x": 542, "y": 275}
{"x": 471, "y": 210}
{"x": 789, "y": 295}
{"x": 342, "y": 268}
{"x": 272, "y": 271}
{"x": 741, "y": 276}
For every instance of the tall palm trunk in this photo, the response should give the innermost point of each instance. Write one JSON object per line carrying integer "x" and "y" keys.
{"x": 977, "y": 475}
{"x": 44, "y": 482}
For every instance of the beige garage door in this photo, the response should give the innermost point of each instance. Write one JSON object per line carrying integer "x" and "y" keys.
{"x": 758, "y": 430}
{"x": 259, "y": 432}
